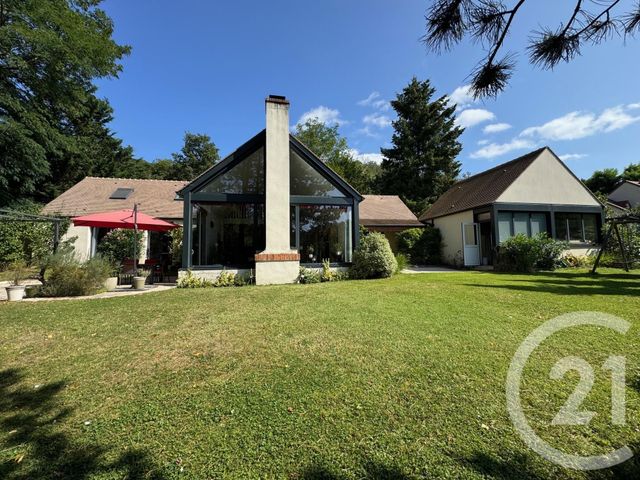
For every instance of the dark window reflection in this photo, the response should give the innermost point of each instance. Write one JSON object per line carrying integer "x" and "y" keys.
{"x": 325, "y": 233}
{"x": 246, "y": 177}
{"x": 306, "y": 180}
{"x": 227, "y": 234}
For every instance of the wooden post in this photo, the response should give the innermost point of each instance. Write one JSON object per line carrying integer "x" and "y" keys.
{"x": 621, "y": 245}
{"x": 604, "y": 245}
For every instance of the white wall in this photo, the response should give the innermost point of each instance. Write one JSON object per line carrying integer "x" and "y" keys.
{"x": 82, "y": 244}
{"x": 451, "y": 230}
{"x": 547, "y": 181}
{"x": 628, "y": 192}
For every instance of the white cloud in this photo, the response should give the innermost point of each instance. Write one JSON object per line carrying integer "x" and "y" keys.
{"x": 323, "y": 114}
{"x": 462, "y": 97}
{"x": 576, "y": 125}
{"x": 377, "y": 120}
{"x": 496, "y": 127}
{"x": 376, "y": 101}
{"x": 633, "y": 106}
{"x": 484, "y": 141}
{"x": 473, "y": 116}
{"x": 496, "y": 149}
{"x": 572, "y": 156}
{"x": 366, "y": 157}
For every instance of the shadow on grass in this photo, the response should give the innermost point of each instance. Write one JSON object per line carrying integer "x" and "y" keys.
{"x": 34, "y": 446}
{"x": 491, "y": 467}
{"x": 371, "y": 471}
{"x": 565, "y": 283}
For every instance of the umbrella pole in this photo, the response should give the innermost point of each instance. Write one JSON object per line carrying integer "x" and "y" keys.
{"x": 135, "y": 239}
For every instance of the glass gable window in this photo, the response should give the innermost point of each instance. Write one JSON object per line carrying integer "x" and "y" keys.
{"x": 577, "y": 227}
{"x": 306, "y": 180}
{"x": 246, "y": 177}
{"x": 227, "y": 234}
{"x": 323, "y": 232}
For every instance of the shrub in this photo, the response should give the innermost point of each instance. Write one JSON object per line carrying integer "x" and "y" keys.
{"x": 570, "y": 260}
{"x": 308, "y": 275}
{"x": 67, "y": 277}
{"x": 402, "y": 261}
{"x": 189, "y": 280}
{"x": 373, "y": 258}
{"x": 327, "y": 275}
{"x": 421, "y": 245}
{"x": 175, "y": 248}
{"x": 526, "y": 254}
{"x": 118, "y": 244}
{"x": 225, "y": 279}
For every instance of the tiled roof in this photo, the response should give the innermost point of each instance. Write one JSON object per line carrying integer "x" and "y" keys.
{"x": 386, "y": 210}
{"x": 481, "y": 189}
{"x": 91, "y": 195}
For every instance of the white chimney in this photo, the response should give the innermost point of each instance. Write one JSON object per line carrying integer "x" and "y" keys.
{"x": 277, "y": 263}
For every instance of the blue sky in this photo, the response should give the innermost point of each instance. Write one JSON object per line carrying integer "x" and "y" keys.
{"x": 206, "y": 67}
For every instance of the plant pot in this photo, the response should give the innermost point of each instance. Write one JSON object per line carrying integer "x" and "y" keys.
{"x": 138, "y": 282}
{"x": 111, "y": 283}
{"x": 15, "y": 293}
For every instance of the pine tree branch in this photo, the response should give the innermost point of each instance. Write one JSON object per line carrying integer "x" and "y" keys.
{"x": 503, "y": 35}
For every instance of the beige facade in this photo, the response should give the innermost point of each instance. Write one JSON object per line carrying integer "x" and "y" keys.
{"x": 547, "y": 181}
{"x": 451, "y": 230}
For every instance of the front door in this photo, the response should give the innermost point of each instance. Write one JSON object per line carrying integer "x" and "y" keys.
{"x": 471, "y": 242}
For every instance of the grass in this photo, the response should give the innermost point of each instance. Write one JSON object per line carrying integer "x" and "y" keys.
{"x": 401, "y": 378}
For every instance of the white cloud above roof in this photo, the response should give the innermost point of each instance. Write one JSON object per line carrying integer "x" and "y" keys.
{"x": 473, "y": 116}
{"x": 366, "y": 157}
{"x": 496, "y": 128}
{"x": 575, "y": 125}
{"x": 462, "y": 97}
{"x": 496, "y": 149}
{"x": 377, "y": 120}
{"x": 572, "y": 156}
{"x": 324, "y": 114}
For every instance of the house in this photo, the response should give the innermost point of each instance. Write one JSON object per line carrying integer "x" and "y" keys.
{"x": 532, "y": 194}
{"x": 96, "y": 195}
{"x": 387, "y": 214}
{"x": 268, "y": 207}
{"x": 626, "y": 194}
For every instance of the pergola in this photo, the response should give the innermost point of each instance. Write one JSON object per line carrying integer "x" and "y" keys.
{"x": 614, "y": 223}
{"x": 8, "y": 215}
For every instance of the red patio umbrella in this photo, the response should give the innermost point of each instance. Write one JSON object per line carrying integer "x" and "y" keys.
{"x": 132, "y": 219}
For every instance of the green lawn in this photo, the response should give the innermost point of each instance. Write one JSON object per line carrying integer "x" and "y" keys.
{"x": 400, "y": 378}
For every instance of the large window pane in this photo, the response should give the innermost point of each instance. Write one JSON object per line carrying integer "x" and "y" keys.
{"x": 590, "y": 227}
{"x": 325, "y": 233}
{"x": 504, "y": 226}
{"x": 538, "y": 223}
{"x": 228, "y": 234}
{"x": 306, "y": 180}
{"x": 561, "y": 226}
{"x": 575, "y": 227}
{"x": 246, "y": 177}
{"x": 521, "y": 223}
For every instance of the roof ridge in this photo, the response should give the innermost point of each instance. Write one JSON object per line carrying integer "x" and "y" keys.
{"x": 502, "y": 165}
{"x": 136, "y": 179}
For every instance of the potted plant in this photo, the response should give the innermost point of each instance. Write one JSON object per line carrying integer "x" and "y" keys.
{"x": 15, "y": 292}
{"x": 139, "y": 279}
{"x": 111, "y": 283}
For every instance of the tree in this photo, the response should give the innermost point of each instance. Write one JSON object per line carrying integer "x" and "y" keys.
{"x": 488, "y": 22}
{"x": 603, "y": 181}
{"x": 197, "y": 154}
{"x": 327, "y": 143}
{"x": 421, "y": 164}
{"x": 50, "y": 52}
{"x": 632, "y": 172}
